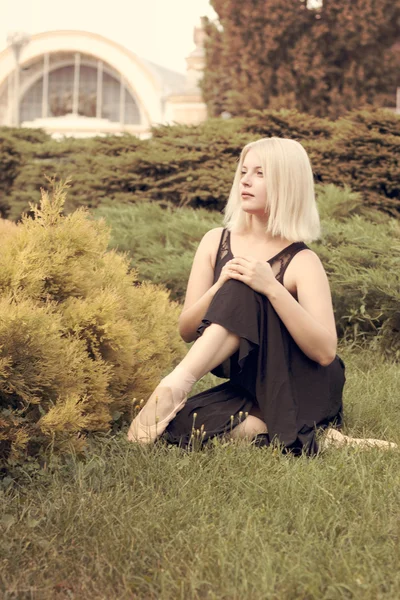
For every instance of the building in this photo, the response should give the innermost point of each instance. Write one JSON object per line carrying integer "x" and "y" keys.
{"x": 81, "y": 84}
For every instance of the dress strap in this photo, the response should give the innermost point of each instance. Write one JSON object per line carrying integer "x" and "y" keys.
{"x": 223, "y": 247}
{"x": 283, "y": 259}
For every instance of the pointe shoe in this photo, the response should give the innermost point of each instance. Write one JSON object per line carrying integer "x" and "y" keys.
{"x": 147, "y": 434}
{"x": 333, "y": 437}
{"x": 170, "y": 395}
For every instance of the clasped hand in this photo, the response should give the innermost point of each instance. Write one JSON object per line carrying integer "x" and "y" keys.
{"x": 255, "y": 273}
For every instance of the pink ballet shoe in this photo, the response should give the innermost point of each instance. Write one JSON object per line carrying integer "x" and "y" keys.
{"x": 333, "y": 437}
{"x": 170, "y": 395}
{"x": 148, "y": 433}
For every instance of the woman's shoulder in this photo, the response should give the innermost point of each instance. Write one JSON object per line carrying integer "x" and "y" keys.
{"x": 209, "y": 244}
{"x": 212, "y": 237}
{"x": 305, "y": 264}
{"x": 211, "y": 240}
{"x": 304, "y": 257}
{"x": 214, "y": 233}
{"x": 302, "y": 269}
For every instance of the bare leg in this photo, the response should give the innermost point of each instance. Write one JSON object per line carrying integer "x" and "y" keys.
{"x": 211, "y": 349}
{"x": 251, "y": 426}
{"x": 334, "y": 438}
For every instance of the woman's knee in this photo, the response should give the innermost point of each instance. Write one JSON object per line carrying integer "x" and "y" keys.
{"x": 249, "y": 428}
{"x": 221, "y": 335}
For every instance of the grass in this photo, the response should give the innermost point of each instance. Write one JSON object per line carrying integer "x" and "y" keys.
{"x": 230, "y": 522}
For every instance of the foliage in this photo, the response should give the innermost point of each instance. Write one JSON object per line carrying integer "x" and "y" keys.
{"x": 27, "y": 135}
{"x": 359, "y": 248}
{"x": 360, "y": 252}
{"x": 364, "y": 153}
{"x": 194, "y": 165}
{"x": 249, "y": 60}
{"x": 322, "y": 60}
{"x": 79, "y": 337}
{"x": 287, "y": 123}
{"x": 160, "y": 242}
{"x": 10, "y": 160}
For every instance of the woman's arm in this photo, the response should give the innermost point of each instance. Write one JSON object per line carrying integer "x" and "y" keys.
{"x": 310, "y": 320}
{"x": 200, "y": 289}
{"x": 191, "y": 318}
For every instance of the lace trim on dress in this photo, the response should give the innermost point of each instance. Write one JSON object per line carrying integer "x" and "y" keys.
{"x": 224, "y": 247}
{"x": 278, "y": 263}
{"x": 281, "y": 262}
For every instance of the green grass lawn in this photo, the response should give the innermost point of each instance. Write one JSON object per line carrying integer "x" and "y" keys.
{"x": 230, "y": 522}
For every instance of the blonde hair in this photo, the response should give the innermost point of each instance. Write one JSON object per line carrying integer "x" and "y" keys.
{"x": 289, "y": 184}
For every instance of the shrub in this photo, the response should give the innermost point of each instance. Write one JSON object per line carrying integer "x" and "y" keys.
{"x": 160, "y": 242}
{"x": 300, "y": 126}
{"x": 194, "y": 165}
{"x": 10, "y": 160}
{"x": 361, "y": 258}
{"x": 79, "y": 337}
{"x": 364, "y": 154}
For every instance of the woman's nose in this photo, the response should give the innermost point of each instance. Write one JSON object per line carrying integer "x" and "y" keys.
{"x": 245, "y": 180}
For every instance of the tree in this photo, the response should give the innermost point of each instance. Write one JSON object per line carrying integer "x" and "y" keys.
{"x": 355, "y": 42}
{"x": 278, "y": 53}
{"x": 246, "y": 56}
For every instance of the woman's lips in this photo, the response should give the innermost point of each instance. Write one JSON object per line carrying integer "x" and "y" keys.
{"x": 244, "y": 194}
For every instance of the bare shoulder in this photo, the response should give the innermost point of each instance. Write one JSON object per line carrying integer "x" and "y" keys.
{"x": 305, "y": 266}
{"x": 210, "y": 242}
{"x": 213, "y": 233}
{"x": 307, "y": 258}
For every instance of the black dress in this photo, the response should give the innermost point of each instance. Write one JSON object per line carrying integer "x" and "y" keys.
{"x": 295, "y": 394}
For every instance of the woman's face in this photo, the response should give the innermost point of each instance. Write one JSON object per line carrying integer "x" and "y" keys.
{"x": 252, "y": 185}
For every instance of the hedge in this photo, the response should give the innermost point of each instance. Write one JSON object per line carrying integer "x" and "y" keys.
{"x": 194, "y": 165}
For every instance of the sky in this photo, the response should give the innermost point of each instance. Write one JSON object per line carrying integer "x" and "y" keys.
{"x": 159, "y": 30}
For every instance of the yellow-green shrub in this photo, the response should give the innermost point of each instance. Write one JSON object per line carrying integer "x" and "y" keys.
{"x": 79, "y": 336}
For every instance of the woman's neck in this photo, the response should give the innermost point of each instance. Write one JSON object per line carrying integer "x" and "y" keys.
{"x": 256, "y": 229}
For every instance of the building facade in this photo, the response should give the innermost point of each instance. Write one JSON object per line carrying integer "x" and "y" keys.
{"x": 82, "y": 84}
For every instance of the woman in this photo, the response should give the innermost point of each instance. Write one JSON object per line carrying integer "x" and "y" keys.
{"x": 259, "y": 306}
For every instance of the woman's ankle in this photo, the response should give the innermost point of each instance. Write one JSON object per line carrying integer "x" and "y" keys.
{"x": 179, "y": 378}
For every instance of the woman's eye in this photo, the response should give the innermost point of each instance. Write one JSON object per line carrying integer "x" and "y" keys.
{"x": 259, "y": 173}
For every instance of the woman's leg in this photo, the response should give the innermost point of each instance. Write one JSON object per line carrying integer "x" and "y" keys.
{"x": 211, "y": 349}
{"x": 251, "y": 426}
{"x": 335, "y": 438}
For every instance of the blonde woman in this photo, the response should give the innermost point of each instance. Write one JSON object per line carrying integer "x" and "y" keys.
{"x": 258, "y": 306}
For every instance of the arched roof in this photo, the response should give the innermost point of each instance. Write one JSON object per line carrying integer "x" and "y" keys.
{"x": 143, "y": 80}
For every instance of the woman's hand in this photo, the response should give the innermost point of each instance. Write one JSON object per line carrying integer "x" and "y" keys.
{"x": 226, "y": 273}
{"x": 255, "y": 273}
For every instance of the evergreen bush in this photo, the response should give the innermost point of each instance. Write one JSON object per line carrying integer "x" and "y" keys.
{"x": 79, "y": 336}
{"x": 194, "y": 165}
{"x": 10, "y": 160}
{"x": 161, "y": 242}
{"x": 363, "y": 153}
